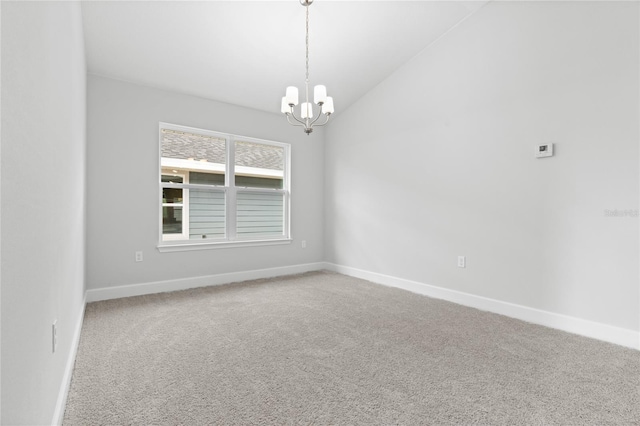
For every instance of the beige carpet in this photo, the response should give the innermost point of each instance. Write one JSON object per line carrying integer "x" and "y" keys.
{"x": 323, "y": 348}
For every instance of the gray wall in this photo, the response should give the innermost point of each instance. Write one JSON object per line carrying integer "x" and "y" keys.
{"x": 437, "y": 161}
{"x": 43, "y": 193}
{"x": 122, "y": 173}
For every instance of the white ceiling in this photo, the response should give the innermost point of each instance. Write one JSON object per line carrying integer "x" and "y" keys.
{"x": 246, "y": 53}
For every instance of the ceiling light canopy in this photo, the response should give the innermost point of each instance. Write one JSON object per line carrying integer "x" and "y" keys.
{"x": 290, "y": 100}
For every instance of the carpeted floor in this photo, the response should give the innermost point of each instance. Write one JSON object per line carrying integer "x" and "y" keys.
{"x": 323, "y": 348}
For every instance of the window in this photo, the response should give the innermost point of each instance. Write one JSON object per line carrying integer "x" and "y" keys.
{"x": 219, "y": 189}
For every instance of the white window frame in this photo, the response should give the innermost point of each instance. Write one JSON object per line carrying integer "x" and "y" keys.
{"x": 185, "y": 207}
{"x": 231, "y": 239}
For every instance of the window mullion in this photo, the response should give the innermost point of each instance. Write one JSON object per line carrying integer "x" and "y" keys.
{"x": 185, "y": 208}
{"x": 231, "y": 190}
{"x": 287, "y": 195}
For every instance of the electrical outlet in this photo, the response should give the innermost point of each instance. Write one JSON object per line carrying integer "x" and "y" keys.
{"x": 303, "y": 244}
{"x": 54, "y": 336}
{"x": 462, "y": 261}
{"x": 138, "y": 256}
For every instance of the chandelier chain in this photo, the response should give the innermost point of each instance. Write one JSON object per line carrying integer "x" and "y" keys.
{"x": 307, "y": 45}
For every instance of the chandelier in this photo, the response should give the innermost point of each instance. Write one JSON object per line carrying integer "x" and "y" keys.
{"x": 320, "y": 98}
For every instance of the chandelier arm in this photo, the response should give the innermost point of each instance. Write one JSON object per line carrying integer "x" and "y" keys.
{"x": 302, "y": 123}
{"x": 311, "y": 124}
{"x": 325, "y": 121}
{"x": 316, "y": 119}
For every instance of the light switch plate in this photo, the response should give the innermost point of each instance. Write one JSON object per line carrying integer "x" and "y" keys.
{"x": 544, "y": 150}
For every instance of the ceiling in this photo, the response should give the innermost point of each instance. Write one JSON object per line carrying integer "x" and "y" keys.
{"x": 246, "y": 53}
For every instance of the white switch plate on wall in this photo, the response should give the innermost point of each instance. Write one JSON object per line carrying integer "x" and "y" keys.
{"x": 544, "y": 150}
{"x": 462, "y": 261}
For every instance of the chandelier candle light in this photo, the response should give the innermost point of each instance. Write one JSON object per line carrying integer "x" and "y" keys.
{"x": 320, "y": 98}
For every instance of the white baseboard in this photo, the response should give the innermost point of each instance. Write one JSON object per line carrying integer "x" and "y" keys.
{"x": 63, "y": 393}
{"x": 595, "y": 330}
{"x": 106, "y": 293}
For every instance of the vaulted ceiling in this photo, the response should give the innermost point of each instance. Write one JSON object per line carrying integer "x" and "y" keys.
{"x": 246, "y": 53}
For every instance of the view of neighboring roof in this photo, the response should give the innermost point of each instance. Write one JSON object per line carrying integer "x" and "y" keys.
{"x": 184, "y": 145}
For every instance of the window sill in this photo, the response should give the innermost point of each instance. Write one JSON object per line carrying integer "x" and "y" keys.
{"x": 189, "y": 246}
